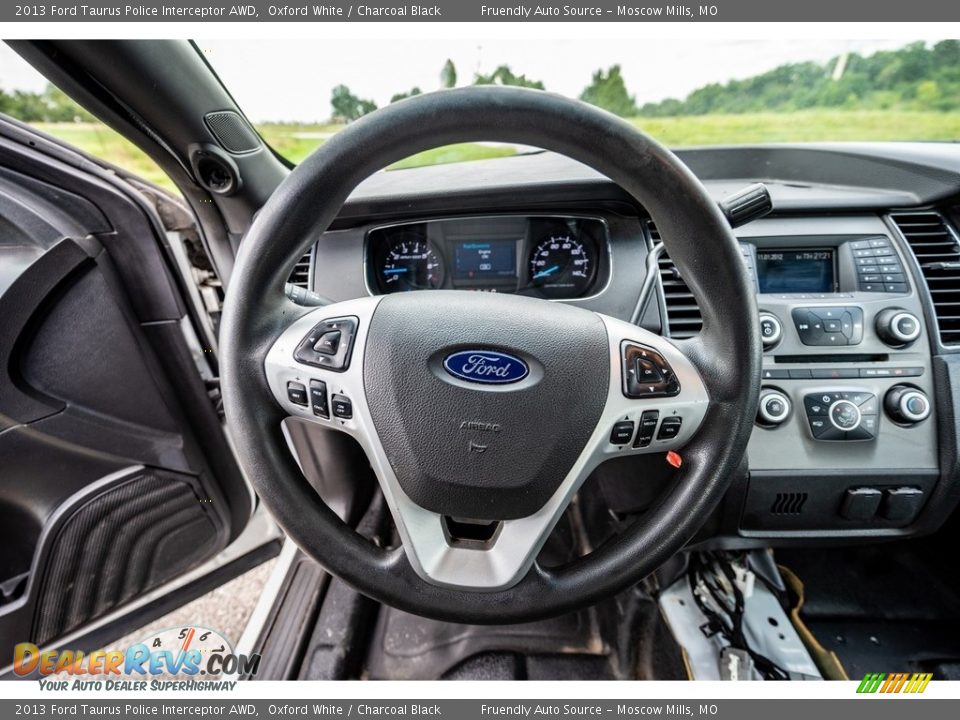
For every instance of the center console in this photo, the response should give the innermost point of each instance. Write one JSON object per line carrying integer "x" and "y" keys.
{"x": 845, "y": 438}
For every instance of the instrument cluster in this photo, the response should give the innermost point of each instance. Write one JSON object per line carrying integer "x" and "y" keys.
{"x": 557, "y": 257}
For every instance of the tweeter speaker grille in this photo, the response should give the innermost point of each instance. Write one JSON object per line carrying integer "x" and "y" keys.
{"x": 232, "y": 132}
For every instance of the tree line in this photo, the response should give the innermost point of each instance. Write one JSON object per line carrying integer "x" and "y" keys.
{"x": 607, "y": 89}
{"x": 50, "y": 105}
{"x": 916, "y": 77}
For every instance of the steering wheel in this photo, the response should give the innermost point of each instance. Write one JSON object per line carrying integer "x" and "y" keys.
{"x": 482, "y": 414}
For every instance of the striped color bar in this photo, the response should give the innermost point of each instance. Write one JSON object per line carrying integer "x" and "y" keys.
{"x": 894, "y": 683}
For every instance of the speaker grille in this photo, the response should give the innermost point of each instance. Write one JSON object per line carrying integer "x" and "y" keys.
{"x": 119, "y": 544}
{"x": 232, "y": 131}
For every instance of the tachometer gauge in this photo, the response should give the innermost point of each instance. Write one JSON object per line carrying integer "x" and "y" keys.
{"x": 411, "y": 263}
{"x": 562, "y": 266}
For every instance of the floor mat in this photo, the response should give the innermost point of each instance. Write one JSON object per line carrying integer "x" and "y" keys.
{"x": 882, "y": 608}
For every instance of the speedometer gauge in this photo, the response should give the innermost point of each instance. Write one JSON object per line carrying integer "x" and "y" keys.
{"x": 411, "y": 263}
{"x": 562, "y": 266}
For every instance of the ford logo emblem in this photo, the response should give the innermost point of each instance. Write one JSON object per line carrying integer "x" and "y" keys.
{"x": 486, "y": 366}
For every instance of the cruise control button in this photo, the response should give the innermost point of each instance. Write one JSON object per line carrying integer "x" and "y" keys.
{"x": 297, "y": 393}
{"x": 342, "y": 407}
{"x": 622, "y": 432}
{"x": 669, "y": 428}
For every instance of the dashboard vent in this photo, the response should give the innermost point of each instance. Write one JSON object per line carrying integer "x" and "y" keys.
{"x": 301, "y": 272}
{"x": 788, "y": 503}
{"x": 935, "y": 246}
{"x": 683, "y": 314}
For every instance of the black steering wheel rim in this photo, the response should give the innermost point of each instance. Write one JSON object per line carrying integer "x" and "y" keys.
{"x": 726, "y": 353}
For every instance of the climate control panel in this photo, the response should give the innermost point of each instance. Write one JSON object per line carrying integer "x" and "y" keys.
{"x": 842, "y": 415}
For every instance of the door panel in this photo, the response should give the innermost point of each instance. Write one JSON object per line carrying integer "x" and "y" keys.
{"x": 115, "y": 473}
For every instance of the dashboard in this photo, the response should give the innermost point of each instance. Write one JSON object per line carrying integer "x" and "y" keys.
{"x": 857, "y": 280}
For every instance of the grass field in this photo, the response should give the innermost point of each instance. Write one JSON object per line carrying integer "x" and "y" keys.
{"x": 295, "y": 142}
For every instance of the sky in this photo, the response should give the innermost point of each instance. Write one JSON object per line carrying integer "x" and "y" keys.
{"x": 292, "y": 80}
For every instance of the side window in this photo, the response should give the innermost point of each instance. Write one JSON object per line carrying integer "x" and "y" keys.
{"x": 29, "y": 97}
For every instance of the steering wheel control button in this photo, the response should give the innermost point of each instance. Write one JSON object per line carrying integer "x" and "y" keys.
{"x": 897, "y": 327}
{"x": 646, "y": 373}
{"x": 342, "y": 407}
{"x": 622, "y": 432}
{"x": 318, "y": 398}
{"x": 297, "y": 393}
{"x": 842, "y": 415}
{"x": 669, "y": 428}
{"x": 329, "y": 344}
{"x": 770, "y": 330}
{"x": 648, "y": 426}
{"x": 829, "y": 326}
{"x": 774, "y": 408}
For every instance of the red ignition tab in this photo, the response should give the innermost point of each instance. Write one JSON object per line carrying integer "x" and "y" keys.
{"x": 674, "y": 458}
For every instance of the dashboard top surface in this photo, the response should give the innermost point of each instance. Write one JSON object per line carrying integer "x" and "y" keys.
{"x": 800, "y": 177}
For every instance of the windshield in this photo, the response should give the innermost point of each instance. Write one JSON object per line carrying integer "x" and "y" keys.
{"x": 683, "y": 92}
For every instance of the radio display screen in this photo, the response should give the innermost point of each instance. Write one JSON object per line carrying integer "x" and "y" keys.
{"x": 796, "y": 271}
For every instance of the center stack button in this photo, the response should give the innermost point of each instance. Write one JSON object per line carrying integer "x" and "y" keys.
{"x": 829, "y": 326}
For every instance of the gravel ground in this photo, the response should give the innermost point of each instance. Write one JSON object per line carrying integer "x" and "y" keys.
{"x": 225, "y": 609}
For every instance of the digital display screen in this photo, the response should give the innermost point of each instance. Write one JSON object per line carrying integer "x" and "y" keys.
{"x": 485, "y": 259}
{"x": 796, "y": 271}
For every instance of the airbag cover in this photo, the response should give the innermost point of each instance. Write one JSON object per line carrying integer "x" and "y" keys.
{"x": 481, "y": 450}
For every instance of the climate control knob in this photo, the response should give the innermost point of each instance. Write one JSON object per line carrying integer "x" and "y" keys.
{"x": 897, "y": 327}
{"x": 845, "y": 415}
{"x": 906, "y": 405}
{"x": 774, "y": 408}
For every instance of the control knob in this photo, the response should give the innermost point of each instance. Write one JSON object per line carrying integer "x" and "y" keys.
{"x": 897, "y": 327}
{"x": 906, "y": 405}
{"x": 774, "y": 407}
{"x": 770, "y": 330}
